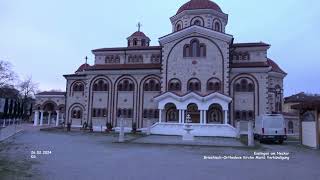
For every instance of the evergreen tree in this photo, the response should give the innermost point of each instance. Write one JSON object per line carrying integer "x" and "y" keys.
{"x": 5, "y": 109}
{"x": 21, "y": 110}
{"x": 10, "y": 109}
{"x": 18, "y": 109}
{"x": 14, "y": 113}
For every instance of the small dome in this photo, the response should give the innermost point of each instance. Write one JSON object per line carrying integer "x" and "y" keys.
{"x": 138, "y": 39}
{"x": 139, "y": 34}
{"x": 83, "y": 67}
{"x": 199, "y": 4}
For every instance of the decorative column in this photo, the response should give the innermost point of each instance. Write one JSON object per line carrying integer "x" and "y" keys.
{"x": 160, "y": 115}
{"x": 180, "y": 116}
{"x": 49, "y": 117}
{"x": 57, "y": 119}
{"x": 36, "y": 118}
{"x": 205, "y": 117}
{"x": 41, "y": 117}
{"x": 201, "y": 116}
{"x": 183, "y": 116}
{"x": 225, "y": 116}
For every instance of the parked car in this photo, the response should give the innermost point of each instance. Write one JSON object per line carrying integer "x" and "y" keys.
{"x": 270, "y": 127}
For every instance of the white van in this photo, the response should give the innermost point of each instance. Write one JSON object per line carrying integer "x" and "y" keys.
{"x": 270, "y": 127}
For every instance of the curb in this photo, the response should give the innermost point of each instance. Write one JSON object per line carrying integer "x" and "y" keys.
{"x": 5, "y": 138}
{"x": 193, "y": 145}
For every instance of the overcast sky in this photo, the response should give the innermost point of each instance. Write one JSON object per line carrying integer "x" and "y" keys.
{"x": 48, "y": 38}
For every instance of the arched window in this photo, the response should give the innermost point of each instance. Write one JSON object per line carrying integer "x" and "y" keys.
{"x": 244, "y": 115}
{"x": 194, "y": 85}
{"x": 143, "y": 42}
{"x": 157, "y": 87}
{"x": 156, "y": 113}
{"x": 152, "y": 85}
{"x": 210, "y": 86}
{"x": 104, "y": 112}
{"x": 94, "y": 113}
{"x": 100, "y": 85}
{"x": 197, "y": 22}
{"x": 124, "y": 113}
{"x": 217, "y": 86}
{"x": 237, "y": 115}
{"x": 131, "y": 87}
{"x": 244, "y": 85}
{"x": 178, "y": 27}
{"x": 174, "y": 85}
{"x": 135, "y": 42}
{"x": 217, "y": 26}
{"x": 213, "y": 84}
{"x": 78, "y": 87}
{"x": 119, "y": 112}
{"x": 191, "y": 86}
{"x": 195, "y": 48}
{"x": 146, "y": 87}
{"x": 150, "y": 113}
{"x": 76, "y": 114}
{"x": 186, "y": 51}
{"x": 125, "y": 85}
{"x": 171, "y": 86}
{"x": 145, "y": 113}
{"x": 250, "y": 115}
{"x": 203, "y": 50}
{"x": 129, "y": 113}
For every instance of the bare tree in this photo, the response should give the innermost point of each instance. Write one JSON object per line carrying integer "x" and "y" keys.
{"x": 28, "y": 88}
{"x": 7, "y": 76}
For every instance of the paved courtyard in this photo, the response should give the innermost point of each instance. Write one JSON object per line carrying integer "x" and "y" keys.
{"x": 79, "y": 155}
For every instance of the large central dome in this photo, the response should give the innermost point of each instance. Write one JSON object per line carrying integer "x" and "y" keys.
{"x": 199, "y": 4}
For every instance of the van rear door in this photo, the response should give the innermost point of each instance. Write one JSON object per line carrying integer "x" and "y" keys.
{"x": 274, "y": 126}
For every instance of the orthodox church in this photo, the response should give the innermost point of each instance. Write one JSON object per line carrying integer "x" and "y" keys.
{"x": 196, "y": 70}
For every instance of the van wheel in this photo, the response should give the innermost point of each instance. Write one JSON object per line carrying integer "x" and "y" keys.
{"x": 261, "y": 141}
{"x": 280, "y": 141}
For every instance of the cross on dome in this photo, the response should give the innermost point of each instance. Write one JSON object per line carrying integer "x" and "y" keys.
{"x": 139, "y": 25}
